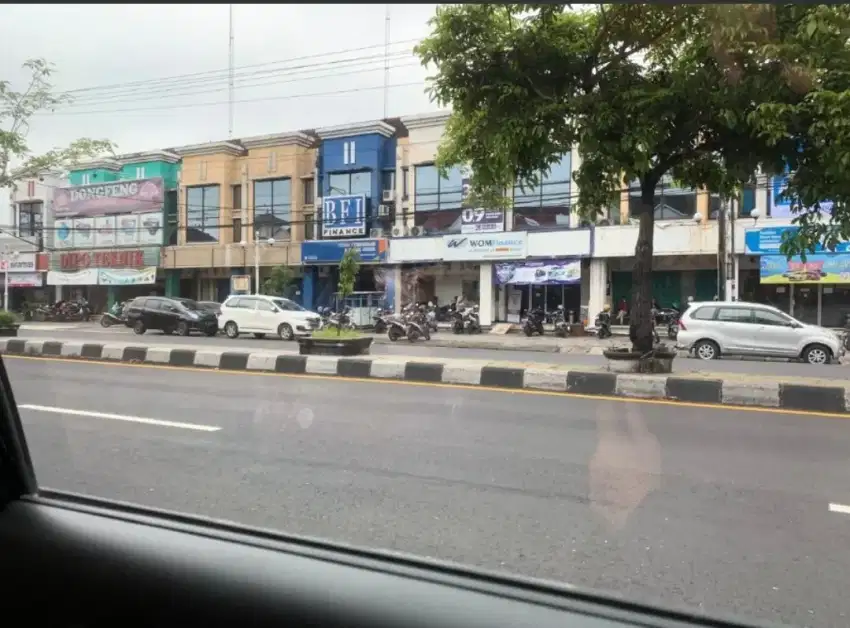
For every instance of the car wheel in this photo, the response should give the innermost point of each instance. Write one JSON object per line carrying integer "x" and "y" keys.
{"x": 259, "y": 336}
{"x": 285, "y": 332}
{"x": 707, "y": 350}
{"x": 817, "y": 354}
{"x": 231, "y": 330}
{"x": 139, "y": 327}
{"x": 183, "y": 328}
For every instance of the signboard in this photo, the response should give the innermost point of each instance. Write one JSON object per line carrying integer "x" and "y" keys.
{"x": 126, "y": 276}
{"x": 482, "y": 221}
{"x": 24, "y": 280}
{"x": 554, "y": 273}
{"x": 318, "y": 252}
{"x": 768, "y": 240}
{"x": 22, "y": 263}
{"x": 140, "y": 196}
{"x": 824, "y": 268}
{"x": 344, "y": 216}
{"x": 76, "y": 278}
{"x": 115, "y": 258}
{"x": 460, "y": 248}
{"x": 240, "y": 284}
{"x": 780, "y": 205}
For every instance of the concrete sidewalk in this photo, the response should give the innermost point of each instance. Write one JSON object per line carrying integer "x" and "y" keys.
{"x": 801, "y": 394}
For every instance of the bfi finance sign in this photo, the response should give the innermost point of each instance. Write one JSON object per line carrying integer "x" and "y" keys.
{"x": 461, "y": 248}
{"x": 344, "y": 216}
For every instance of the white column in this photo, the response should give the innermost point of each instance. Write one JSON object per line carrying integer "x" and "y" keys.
{"x": 575, "y": 164}
{"x": 399, "y": 289}
{"x": 763, "y": 191}
{"x": 598, "y": 283}
{"x": 485, "y": 294}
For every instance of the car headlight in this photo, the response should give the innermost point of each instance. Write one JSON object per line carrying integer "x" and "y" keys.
{"x": 193, "y": 316}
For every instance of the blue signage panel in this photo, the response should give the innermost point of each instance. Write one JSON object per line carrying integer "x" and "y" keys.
{"x": 344, "y": 216}
{"x": 768, "y": 240}
{"x": 318, "y": 252}
{"x": 781, "y": 204}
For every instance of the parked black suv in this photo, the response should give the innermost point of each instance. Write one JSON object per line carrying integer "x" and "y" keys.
{"x": 170, "y": 316}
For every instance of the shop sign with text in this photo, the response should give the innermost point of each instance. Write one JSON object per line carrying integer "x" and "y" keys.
{"x": 129, "y": 258}
{"x": 506, "y": 245}
{"x": 140, "y": 196}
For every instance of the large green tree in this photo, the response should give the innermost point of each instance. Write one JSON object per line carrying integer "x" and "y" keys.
{"x": 643, "y": 91}
{"x": 17, "y": 108}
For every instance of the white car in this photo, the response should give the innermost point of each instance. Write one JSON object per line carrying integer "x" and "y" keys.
{"x": 713, "y": 328}
{"x": 260, "y": 314}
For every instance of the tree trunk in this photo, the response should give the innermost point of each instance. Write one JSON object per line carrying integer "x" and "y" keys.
{"x": 640, "y": 319}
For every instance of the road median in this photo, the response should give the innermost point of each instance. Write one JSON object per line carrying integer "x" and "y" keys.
{"x": 813, "y": 395}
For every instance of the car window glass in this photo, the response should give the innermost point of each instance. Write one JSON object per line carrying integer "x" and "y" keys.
{"x": 289, "y": 306}
{"x": 138, "y": 303}
{"x": 705, "y": 313}
{"x": 735, "y": 315}
{"x": 265, "y": 306}
{"x": 153, "y": 304}
{"x": 766, "y": 317}
{"x": 247, "y": 304}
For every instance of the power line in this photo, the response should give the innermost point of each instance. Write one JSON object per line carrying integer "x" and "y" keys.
{"x": 247, "y": 100}
{"x": 223, "y": 71}
{"x": 144, "y": 93}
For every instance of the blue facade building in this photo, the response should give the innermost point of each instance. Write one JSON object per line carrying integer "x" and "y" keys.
{"x": 354, "y": 166}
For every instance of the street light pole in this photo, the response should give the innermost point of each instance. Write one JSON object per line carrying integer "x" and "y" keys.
{"x": 256, "y": 263}
{"x": 7, "y": 257}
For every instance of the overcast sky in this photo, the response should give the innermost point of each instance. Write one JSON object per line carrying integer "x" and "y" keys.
{"x": 294, "y": 80}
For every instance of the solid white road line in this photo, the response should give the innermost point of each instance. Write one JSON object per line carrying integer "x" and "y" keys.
{"x": 843, "y": 509}
{"x": 121, "y": 417}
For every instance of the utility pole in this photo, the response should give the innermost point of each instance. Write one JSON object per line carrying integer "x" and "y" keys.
{"x": 230, "y": 87}
{"x": 721, "y": 249}
{"x": 387, "y": 61}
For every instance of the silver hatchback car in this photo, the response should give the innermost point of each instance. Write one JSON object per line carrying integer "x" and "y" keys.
{"x": 714, "y": 328}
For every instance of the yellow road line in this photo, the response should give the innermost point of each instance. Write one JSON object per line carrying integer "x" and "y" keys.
{"x": 375, "y": 380}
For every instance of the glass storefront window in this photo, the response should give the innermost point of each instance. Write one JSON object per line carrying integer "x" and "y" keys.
{"x": 835, "y": 305}
{"x": 671, "y": 203}
{"x": 805, "y": 302}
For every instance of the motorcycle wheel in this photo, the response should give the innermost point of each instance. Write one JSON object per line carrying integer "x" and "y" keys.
{"x": 105, "y": 321}
{"x": 380, "y": 327}
{"x": 413, "y": 334}
{"x": 526, "y": 329}
{"x": 393, "y": 334}
{"x": 672, "y": 333}
{"x": 427, "y": 335}
{"x": 457, "y": 329}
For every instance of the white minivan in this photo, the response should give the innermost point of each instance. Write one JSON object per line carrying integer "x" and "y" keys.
{"x": 260, "y": 314}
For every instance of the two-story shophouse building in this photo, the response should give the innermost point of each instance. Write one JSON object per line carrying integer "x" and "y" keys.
{"x": 356, "y": 179}
{"x": 533, "y": 254}
{"x": 25, "y": 231}
{"x": 109, "y": 226}
{"x": 242, "y": 203}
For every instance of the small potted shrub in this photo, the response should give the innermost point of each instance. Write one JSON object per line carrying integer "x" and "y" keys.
{"x": 8, "y": 323}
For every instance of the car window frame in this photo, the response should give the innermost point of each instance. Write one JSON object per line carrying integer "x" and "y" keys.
{"x": 720, "y": 308}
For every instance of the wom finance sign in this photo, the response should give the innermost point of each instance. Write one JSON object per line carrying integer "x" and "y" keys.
{"x": 462, "y": 248}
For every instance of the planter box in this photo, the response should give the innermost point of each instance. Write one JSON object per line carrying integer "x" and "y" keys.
{"x": 333, "y": 346}
{"x": 623, "y": 360}
{"x": 10, "y": 331}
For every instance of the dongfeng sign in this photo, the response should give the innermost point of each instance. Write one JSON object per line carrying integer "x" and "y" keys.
{"x": 85, "y": 193}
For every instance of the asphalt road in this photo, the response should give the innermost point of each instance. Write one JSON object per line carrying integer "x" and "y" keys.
{"x": 715, "y": 509}
{"x": 246, "y": 343}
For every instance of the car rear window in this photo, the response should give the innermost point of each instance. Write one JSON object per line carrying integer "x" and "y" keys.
{"x": 735, "y": 315}
{"x": 704, "y": 313}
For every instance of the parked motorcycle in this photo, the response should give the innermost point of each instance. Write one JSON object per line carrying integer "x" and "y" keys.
{"x": 114, "y": 316}
{"x": 458, "y": 323}
{"x": 603, "y": 324}
{"x": 562, "y": 328}
{"x": 63, "y": 311}
{"x": 431, "y": 317}
{"x": 336, "y": 320}
{"x": 382, "y": 318}
{"x": 673, "y": 326}
{"x": 533, "y": 323}
{"x": 471, "y": 321}
{"x": 417, "y": 326}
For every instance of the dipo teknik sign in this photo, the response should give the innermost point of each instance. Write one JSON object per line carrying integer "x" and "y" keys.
{"x": 461, "y": 248}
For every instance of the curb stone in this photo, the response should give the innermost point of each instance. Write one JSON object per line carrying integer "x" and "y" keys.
{"x": 731, "y": 391}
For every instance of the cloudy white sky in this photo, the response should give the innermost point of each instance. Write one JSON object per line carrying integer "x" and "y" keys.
{"x": 297, "y": 67}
